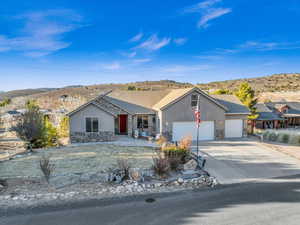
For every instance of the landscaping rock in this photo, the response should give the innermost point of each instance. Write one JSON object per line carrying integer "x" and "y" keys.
{"x": 190, "y": 165}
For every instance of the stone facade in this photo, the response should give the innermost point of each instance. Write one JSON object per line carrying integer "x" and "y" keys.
{"x": 219, "y": 129}
{"x": 83, "y": 137}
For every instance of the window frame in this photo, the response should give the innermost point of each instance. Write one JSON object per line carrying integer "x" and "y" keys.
{"x": 144, "y": 123}
{"x": 193, "y": 101}
{"x": 94, "y": 128}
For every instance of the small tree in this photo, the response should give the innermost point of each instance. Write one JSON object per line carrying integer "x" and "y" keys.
{"x": 247, "y": 96}
{"x": 64, "y": 127}
{"x": 50, "y": 137}
{"x": 30, "y": 128}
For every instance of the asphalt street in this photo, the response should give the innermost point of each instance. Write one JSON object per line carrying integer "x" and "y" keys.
{"x": 275, "y": 201}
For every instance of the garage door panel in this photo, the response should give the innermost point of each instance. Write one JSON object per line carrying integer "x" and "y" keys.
{"x": 233, "y": 128}
{"x": 183, "y": 129}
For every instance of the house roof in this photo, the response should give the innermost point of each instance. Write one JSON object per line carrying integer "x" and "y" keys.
{"x": 147, "y": 102}
{"x": 145, "y": 99}
{"x": 266, "y": 113}
{"x": 130, "y": 107}
{"x": 232, "y": 103}
{"x": 293, "y": 108}
{"x": 177, "y": 94}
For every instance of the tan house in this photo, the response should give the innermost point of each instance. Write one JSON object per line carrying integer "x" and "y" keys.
{"x": 148, "y": 113}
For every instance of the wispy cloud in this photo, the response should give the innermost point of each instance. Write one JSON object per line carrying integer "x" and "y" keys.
{"x": 112, "y": 66}
{"x": 180, "y": 41}
{"x": 137, "y": 37}
{"x": 154, "y": 43}
{"x": 261, "y": 46}
{"x": 208, "y": 11}
{"x": 144, "y": 60}
{"x": 185, "y": 68}
{"x": 42, "y": 33}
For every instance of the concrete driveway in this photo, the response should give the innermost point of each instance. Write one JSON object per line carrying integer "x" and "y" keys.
{"x": 241, "y": 160}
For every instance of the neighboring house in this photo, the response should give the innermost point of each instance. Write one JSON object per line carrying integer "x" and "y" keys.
{"x": 278, "y": 115}
{"x": 169, "y": 113}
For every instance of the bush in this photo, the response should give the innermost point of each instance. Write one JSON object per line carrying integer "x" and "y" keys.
{"x": 273, "y": 136}
{"x": 161, "y": 165}
{"x": 266, "y": 135}
{"x": 50, "y": 137}
{"x": 283, "y": 138}
{"x": 162, "y": 141}
{"x": 185, "y": 143}
{"x": 46, "y": 167}
{"x": 30, "y": 128}
{"x": 36, "y": 129}
{"x": 64, "y": 127}
{"x": 294, "y": 140}
{"x": 124, "y": 167}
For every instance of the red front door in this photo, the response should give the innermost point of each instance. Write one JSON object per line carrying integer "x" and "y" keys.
{"x": 123, "y": 124}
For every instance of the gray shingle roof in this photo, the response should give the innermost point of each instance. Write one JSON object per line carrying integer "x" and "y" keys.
{"x": 266, "y": 113}
{"x": 231, "y": 102}
{"x": 129, "y": 107}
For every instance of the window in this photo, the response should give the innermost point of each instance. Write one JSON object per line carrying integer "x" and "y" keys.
{"x": 194, "y": 100}
{"x": 142, "y": 122}
{"x": 91, "y": 124}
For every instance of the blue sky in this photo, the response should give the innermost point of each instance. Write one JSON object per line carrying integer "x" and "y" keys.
{"x": 57, "y": 43}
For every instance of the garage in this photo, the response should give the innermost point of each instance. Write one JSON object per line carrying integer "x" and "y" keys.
{"x": 233, "y": 128}
{"x": 183, "y": 129}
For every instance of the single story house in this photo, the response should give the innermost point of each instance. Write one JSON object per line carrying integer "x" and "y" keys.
{"x": 278, "y": 115}
{"x": 168, "y": 112}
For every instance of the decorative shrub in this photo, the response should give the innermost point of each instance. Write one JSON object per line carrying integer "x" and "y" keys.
{"x": 285, "y": 138}
{"x": 161, "y": 165}
{"x": 185, "y": 143}
{"x": 266, "y": 135}
{"x": 46, "y": 167}
{"x": 124, "y": 167}
{"x": 162, "y": 141}
{"x": 273, "y": 136}
{"x": 50, "y": 137}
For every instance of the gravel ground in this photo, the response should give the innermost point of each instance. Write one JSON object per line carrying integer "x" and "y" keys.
{"x": 77, "y": 159}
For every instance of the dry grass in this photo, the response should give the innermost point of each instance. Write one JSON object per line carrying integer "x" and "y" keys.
{"x": 79, "y": 159}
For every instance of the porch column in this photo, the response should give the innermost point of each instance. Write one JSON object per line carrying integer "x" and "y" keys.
{"x": 129, "y": 125}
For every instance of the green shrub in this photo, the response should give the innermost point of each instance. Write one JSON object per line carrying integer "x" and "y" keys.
{"x": 266, "y": 135}
{"x": 283, "y": 137}
{"x": 295, "y": 140}
{"x": 50, "y": 137}
{"x": 273, "y": 136}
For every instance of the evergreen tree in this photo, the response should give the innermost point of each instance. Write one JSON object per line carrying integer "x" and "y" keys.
{"x": 247, "y": 96}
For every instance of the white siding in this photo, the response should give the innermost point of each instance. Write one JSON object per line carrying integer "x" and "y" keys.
{"x": 233, "y": 128}
{"x": 182, "y": 129}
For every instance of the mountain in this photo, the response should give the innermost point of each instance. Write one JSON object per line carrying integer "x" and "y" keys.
{"x": 24, "y": 92}
{"x": 275, "y": 87}
{"x": 274, "y": 83}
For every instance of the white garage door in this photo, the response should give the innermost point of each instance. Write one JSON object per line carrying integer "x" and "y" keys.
{"x": 233, "y": 128}
{"x": 183, "y": 129}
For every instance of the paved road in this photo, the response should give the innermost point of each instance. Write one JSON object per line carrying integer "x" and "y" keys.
{"x": 265, "y": 203}
{"x": 234, "y": 161}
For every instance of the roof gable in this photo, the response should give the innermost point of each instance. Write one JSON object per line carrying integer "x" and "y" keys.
{"x": 177, "y": 94}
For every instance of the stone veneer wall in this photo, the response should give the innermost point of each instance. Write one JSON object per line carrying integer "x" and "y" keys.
{"x": 83, "y": 137}
{"x": 219, "y": 129}
{"x": 245, "y": 128}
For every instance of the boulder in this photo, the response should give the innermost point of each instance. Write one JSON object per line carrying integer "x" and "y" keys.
{"x": 190, "y": 165}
